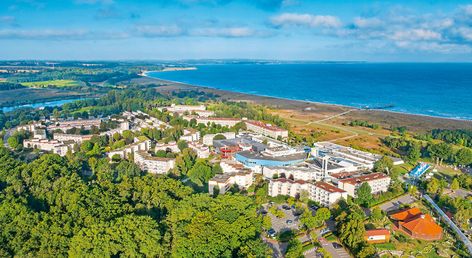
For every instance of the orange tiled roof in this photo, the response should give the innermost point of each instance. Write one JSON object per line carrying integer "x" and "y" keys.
{"x": 406, "y": 214}
{"x": 423, "y": 225}
{"x": 377, "y": 232}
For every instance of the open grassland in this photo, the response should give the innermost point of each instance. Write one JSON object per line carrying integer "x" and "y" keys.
{"x": 54, "y": 83}
{"x": 31, "y": 95}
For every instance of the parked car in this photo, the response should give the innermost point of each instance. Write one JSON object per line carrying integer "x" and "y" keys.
{"x": 336, "y": 245}
{"x": 289, "y": 221}
{"x": 285, "y": 207}
{"x": 271, "y": 233}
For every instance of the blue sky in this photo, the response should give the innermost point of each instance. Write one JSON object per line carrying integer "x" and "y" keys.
{"x": 423, "y": 31}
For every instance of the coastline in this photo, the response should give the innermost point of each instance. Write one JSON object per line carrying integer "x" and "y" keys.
{"x": 259, "y": 97}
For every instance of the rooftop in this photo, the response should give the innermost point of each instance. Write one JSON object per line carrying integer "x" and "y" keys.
{"x": 266, "y": 126}
{"x": 377, "y": 232}
{"x": 259, "y": 156}
{"x": 364, "y": 178}
{"x": 329, "y": 187}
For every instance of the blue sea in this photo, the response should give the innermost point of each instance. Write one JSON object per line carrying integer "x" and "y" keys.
{"x": 434, "y": 89}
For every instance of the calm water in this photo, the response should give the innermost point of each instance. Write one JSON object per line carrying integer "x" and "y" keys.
{"x": 443, "y": 90}
{"x": 41, "y": 104}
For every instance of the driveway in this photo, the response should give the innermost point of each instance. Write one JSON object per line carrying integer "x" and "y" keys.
{"x": 397, "y": 202}
{"x": 335, "y": 253}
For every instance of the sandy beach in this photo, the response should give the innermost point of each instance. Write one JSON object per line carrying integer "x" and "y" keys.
{"x": 313, "y": 111}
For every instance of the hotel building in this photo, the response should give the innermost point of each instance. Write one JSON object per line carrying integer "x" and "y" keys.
{"x": 378, "y": 182}
{"x": 266, "y": 129}
{"x": 223, "y": 182}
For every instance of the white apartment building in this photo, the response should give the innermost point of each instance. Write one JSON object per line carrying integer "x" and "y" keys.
{"x": 66, "y": 125}
{"x": 379, "y": 182}
{"x": 321, "y": 192}
{"x": 172, "y": 146}
{"x": 326, "y": 194}
{"x": 266, "y": 129}
{"x": 228, "y": 122}
{"x": 229, "y": 166}
{"x": 129, "y": 149}
{"x": 152, "y": 164}
{"x": 201, "y": 150}
{"x": 190, "y": 135}
{"x": 208, "y": 138}
{"x": 223, "y": 182}
{"x": 54, "y": 146}
{"x": 40, "y": 133}
{"x": 72, "y": 137}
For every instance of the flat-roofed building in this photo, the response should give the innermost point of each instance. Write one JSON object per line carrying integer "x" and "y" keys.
{"x": 223, "y": 182}
{"x": 266, "y": 129}
{"x": 262, "y": 159}
{"x": 378, "y": 182}
{"x": 321, "y": 192}
{"x": 154, "y": 165}
{"x": 208, "y": 138}
{"x": 54, "y": 146}
{"x": 222, "y": 121}
{"x": 171, "y": 146}
{"x": 190, "y": 135}
{"x": 201, "y": 150}
{"x": 130, "y": 149}
{"x": 72, "y": 137}
{"x": 66, "y": 125}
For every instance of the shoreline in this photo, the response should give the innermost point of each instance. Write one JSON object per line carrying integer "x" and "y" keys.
{"x": 145, "y": 74}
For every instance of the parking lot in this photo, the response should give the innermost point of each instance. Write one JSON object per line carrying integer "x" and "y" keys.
{"x": 396, "y": 203}
{"x": 280, "y": 224}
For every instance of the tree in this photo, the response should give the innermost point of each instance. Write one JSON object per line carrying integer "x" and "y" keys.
{"x": 352, "y": 231}
{"x": 413, "y": 152}
{"x": 294, "y": 249}
{"x": 323, "y": 214}
{"x": 433, "y": 186}
{"x": 367, "y": 251}
{"x": 364, "y": 195}
{"x": 13, "y": 142}
{"x": 308, "y": 220}
{"x": 384, "y": 164}
{"x": 200, "y": 173}
{"x": 464, "y": 156}
{"x": 266, "y": 222}
{"x": 219, "y": 137}
{"x": 182, "y": 145}
{"x": 440, "y": 152}
{"x": 455, "y": 184}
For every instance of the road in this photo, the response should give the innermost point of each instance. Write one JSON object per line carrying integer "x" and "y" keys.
{"x": 453, "y": 226}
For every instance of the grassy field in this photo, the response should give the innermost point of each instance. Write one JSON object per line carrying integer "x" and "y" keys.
{"x": 56, "y": 83}
{"x": 31, "y": 95}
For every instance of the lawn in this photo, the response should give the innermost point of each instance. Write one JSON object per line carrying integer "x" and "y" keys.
{"x": 56, "y": 83}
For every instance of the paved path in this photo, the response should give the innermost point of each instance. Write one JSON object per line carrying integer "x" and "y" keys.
{"x": 397, "y": 202}
{"x": 334, "y": 116}
{"x": 461, "y": 235}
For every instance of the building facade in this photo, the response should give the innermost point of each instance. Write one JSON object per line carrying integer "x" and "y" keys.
{"x": 154, "y": 165}
{"x": 378, "y": 182}
{"x": 266, "y": 129}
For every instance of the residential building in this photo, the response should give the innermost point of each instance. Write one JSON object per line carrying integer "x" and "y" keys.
{"x": 222, "y": 121}
{"x": 208, "y": 138}
{"x": 190, "y": 135}
{"x": 377, "y": 236}
{"x": 131, "y": 149}
{"x": 223, "y": 182}
{"x": 171, "y": 146}
{"x": 266, "y": 129}
{"x": 321, "y": 192}
{"x": 416, "y": 224}
{"x": 201, "y": 150}
{"x": 72, "y": 137}
{"x": 378, "y": 182}
{"x": 87, "y": 124}
{"x": 154, "y": 165}
{"x": 40, "y": 133}
{"x": 54, "y": 146}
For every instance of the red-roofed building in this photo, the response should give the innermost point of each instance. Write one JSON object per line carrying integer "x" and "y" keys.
{"x": 378, "y": 182}
{"x": 416, "y": 224}
{"x": 377, "y": 236}
{"x": 266, "y": 129}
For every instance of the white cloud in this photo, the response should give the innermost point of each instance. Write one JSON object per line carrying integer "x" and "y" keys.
{"x": 360, "y": 22}
{"x": 159, "y": 30}
{"x": 416, "y": 35}
{"x": 306, "y": 20}
{"x": 233, "y": 32}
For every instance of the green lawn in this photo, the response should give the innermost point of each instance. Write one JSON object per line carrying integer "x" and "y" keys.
{"x": 57, "y": 83}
